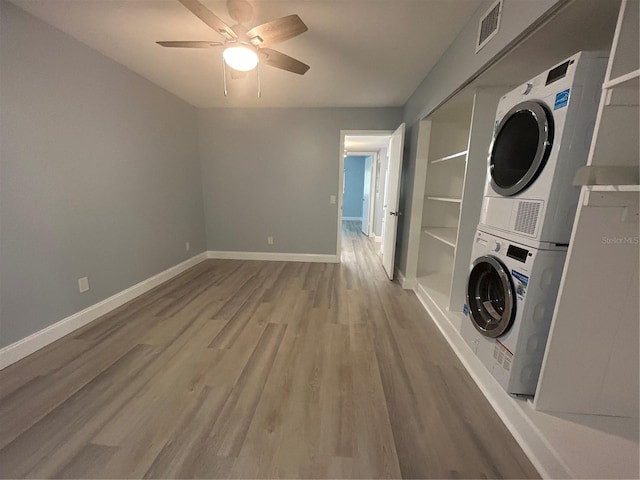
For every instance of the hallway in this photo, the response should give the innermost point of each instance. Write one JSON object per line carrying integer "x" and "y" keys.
{"x": 251, "y": 369}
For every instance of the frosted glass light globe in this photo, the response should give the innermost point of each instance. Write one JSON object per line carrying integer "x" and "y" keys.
{"x": 240, "y": 58}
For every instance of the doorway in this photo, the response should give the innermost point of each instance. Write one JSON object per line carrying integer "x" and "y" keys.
{"x": 387, "y": 146}
{"x": 364, "y": 142}
{"x": 359, "y": 190}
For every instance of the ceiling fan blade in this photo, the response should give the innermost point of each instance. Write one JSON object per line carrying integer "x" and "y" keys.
{"x": 277, "y": 30}
{"x": 189, "y": 44}
{"x": 208, "y": 17}
{"x": 282, "y": 61}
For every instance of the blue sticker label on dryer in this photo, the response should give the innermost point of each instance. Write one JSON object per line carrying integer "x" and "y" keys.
{"x": 521, "y": 281}
{"x": 562, "y": 99}
{"x": 465, "y": 310}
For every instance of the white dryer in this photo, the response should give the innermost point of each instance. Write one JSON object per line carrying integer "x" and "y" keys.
{"x": 511, "y": 294}
{"x": 542, "y": 136}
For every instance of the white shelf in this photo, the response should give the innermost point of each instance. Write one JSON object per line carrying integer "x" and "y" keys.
{"x": 447, "y": 235}
{"x": 613, "y": 178}
{"x": 603, "y": 197}
{"x": 622, "y": 79}
{"x": 444, "y": 199}
{"x": 462, "y": 154}
{"x": 622, "y": 91}
{"x": 437, "y": 285}
{"x": 613, "y": 188}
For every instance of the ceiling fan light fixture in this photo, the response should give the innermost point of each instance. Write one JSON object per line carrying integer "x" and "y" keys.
{"x": 240, "y": 57}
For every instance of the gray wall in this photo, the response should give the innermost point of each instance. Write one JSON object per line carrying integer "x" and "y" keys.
{"x": 353, "y": 186}
{"x": 454, "y": 69}
{"x": 99, "y": 176}
{"x": 271, "y": 172}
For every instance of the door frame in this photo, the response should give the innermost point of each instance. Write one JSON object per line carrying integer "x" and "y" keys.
{"x": 341, "y": 154}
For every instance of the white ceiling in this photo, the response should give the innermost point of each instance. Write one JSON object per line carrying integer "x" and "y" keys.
{"x": 362, "y": 53}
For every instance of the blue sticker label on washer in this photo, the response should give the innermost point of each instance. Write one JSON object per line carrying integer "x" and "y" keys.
{"x": 562, "y": 99}
{"x": 465, "y": 310}
{"x": 521, "y": 282}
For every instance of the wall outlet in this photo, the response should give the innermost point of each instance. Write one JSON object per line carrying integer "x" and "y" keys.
{"x": 332, "y": 199}
{"x": 269, "y": 240}
{"x": 187, "y": 246}
{"x": 83, "y": 284}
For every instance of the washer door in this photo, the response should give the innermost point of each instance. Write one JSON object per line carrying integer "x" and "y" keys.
{"x": 520, "y": 147}
{"x": 490, "y": 297}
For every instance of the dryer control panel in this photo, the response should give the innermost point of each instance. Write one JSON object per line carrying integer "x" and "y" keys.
{"x": 518, "y": 253}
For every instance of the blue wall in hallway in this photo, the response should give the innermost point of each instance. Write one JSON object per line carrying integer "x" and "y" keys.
{"x": 353, "y": 186}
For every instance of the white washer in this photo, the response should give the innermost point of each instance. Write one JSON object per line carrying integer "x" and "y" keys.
{"x": 511, "y": 294}
{"x": 542, "y": 136}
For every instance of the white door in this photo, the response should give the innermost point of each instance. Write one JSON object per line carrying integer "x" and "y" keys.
{"x": 392, "y": 199}
{"x": 366, "y": 196}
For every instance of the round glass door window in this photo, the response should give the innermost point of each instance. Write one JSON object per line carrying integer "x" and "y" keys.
{"x": 520, "y": 147}
{"x": 490, "y": 297}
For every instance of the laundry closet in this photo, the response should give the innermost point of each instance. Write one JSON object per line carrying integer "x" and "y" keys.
{"x": 468, "y": 210}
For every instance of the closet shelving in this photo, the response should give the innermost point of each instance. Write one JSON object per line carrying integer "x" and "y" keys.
{"x": 454, "y": 156}
{"x": 599, "y": 373}
{"x": 613, "y": 188}
{"x": 614, "y": 152}
{"x": 446, "y": 235}
{"x": 446, "y": 165}
{"x": 444, "y": 199}
{"x": 455, "y": 164}
{"x": 457, "y": 138}
{"x": 629, "y": 80}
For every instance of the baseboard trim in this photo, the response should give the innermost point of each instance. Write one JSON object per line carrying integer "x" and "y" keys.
{"x": 34, "y": 342}
{"x": 405, "y": 283}
{"x": 510, "y": 410}
{"x": 274, "y": 256}
{"x": 352, "y": 219}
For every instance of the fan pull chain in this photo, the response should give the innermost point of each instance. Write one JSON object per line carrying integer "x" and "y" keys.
{"x": 224, "y": 77}
{"x": 259, "y": 85}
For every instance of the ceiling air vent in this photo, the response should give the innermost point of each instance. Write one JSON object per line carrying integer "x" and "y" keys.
{"x": 489, "y": 25}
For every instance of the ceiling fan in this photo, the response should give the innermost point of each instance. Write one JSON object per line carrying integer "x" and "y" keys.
{"x": 245, "y": 48}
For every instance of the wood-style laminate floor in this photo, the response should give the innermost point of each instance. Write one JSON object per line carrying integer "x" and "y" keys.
{"x": 251, "y": 369}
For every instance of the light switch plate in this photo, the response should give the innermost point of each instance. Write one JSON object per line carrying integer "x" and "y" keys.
{"x": 83, "y": 284}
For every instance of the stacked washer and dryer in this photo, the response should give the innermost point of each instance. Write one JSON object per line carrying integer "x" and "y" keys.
{"x": 542, "y": 136}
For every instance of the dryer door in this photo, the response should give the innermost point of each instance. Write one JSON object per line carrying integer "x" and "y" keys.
{"x": 520, "y": 147}
{"x": 490, "y": 296}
